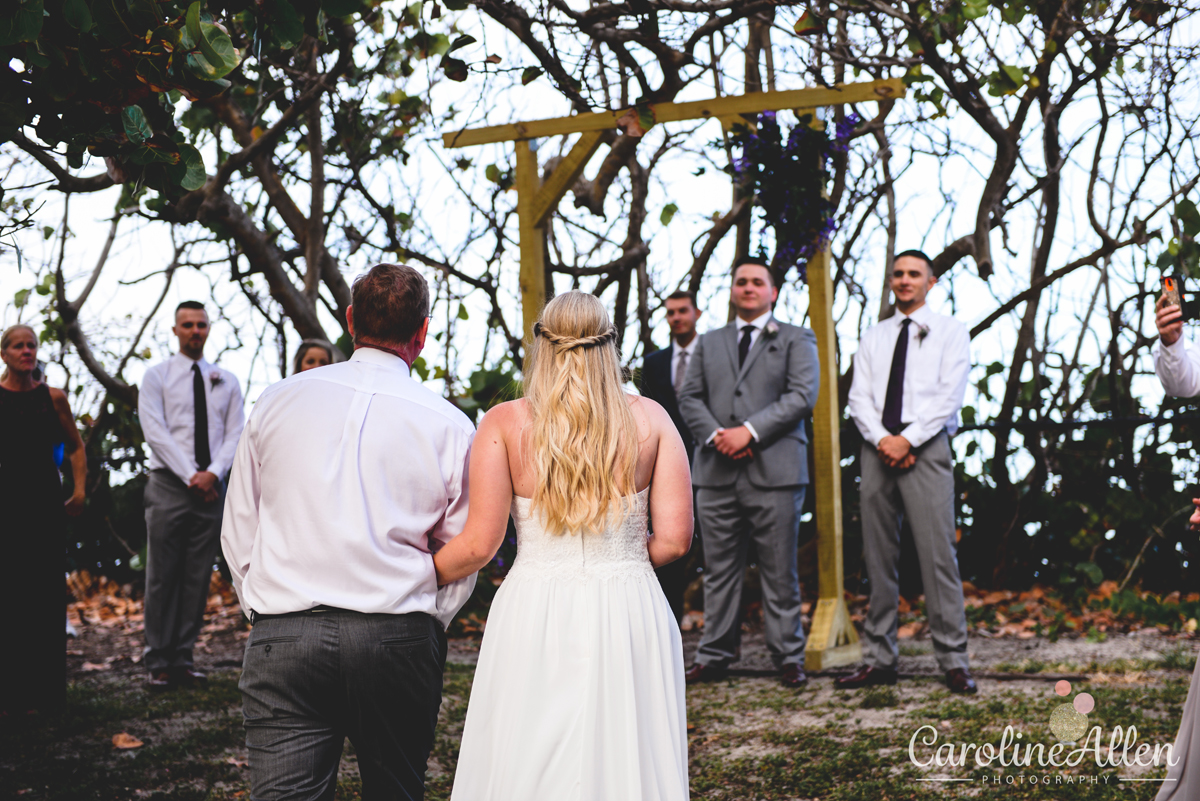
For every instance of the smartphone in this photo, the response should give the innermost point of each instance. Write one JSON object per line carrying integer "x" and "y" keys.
{"x": 1171, "y": 291}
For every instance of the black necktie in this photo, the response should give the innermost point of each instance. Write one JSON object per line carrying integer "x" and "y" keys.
{"x": 744, "y": 344}
{"x": 203, "y": 458}
{"x": 893, "y": 404}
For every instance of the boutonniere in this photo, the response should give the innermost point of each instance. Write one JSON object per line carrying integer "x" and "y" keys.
{"x": 771, "y": 330}
{"x": 215, "y": 379}
{"x": 922, "y": 332}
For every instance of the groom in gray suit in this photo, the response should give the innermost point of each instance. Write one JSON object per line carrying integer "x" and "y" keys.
{"x": 748, "y": 391}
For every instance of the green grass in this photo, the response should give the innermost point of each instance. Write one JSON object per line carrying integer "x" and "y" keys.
{"x": 749, "y": 739}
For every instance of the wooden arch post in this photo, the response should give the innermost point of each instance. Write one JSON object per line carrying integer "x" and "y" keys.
{"x": 833, "y": 640}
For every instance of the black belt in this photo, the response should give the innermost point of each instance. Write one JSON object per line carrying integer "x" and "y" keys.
{"x": 316, "y": 610}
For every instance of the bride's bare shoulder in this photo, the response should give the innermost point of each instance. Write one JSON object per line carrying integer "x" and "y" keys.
{"x": 649, "y": 411}
{"x": 506, "y": 415}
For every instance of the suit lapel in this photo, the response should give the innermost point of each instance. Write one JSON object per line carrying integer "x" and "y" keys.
{"x": 760, "y": 344}
{"x": 731, "y": 339}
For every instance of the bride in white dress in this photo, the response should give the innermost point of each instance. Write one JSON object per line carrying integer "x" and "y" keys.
{"x": 579, "y": 692}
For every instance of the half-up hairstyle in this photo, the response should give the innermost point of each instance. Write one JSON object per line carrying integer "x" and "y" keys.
{"x": 584, "y": 436}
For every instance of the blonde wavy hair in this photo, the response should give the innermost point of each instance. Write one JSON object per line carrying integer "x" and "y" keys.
{"x": 584, "y": 438}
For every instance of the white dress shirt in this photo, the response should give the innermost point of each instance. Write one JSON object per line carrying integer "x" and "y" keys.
{"x": 348, "y": 479}
{"x": 1178, "y": 367}
{"x": 935, "y": 376}
{"x": 167, "y": 413}
{"x": 677, "y": 352}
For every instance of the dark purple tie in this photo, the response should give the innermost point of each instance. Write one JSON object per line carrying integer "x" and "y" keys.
{"x": 893, "y": 404}
{"x": 744, "y": 344}
{"x": 203, "y": 458}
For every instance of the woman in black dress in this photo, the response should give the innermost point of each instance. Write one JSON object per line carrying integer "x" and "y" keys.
{"x": 34, "y": 418}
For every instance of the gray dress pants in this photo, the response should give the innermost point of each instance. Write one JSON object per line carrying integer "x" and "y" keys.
{"x": 925, "y": 493}
{"x": 183, "y": 535}
{"x": 312, "y": 679}
{"x": 729, "y": 518}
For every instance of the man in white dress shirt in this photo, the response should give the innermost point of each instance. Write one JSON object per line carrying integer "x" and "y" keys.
{"x": 191, "y": 416}
{"x": 347, "y": 481}
{"x": 910, "y": 374}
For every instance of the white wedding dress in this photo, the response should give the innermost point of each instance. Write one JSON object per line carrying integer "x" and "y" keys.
{"x": 578, "y": 694}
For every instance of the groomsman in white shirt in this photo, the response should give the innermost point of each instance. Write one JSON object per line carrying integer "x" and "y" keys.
{"x": 347, "y": 481}
{"x": 191, "y": 416}
{"x": 910, "y": 375}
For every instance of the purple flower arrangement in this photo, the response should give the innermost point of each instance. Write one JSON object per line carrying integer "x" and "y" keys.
{"x": 788, "y": 178}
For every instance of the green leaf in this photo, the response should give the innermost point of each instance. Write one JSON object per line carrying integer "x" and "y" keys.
{"x": 492, "y": 173}
{"x": 21, "y": 298}
{"x": 21, "y": 22}
{"x": 530, "y": 74}
{"x": 195, "y": 176}
{"x": 47, "y": 231}
{"x": 78, "y": 15}
{"x": 193, "y": 23}
{"x": 1189, "y": 217}
{"x": 284, "y": 24}
{"x": 807, "y": 26}
{"x": 341, "y": 8}
{"x": 133, "y": 120}
{"x": 455, "y": 69}
{"x": 461, "y": 41}
{"x": 456, "y": 5}
{"x": 668, "y": 213}
{"x": 420, "y": 367}
{"x": 462, "y": 312}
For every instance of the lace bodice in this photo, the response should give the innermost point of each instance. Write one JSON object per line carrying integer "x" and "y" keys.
{"x": 617, "y": 552}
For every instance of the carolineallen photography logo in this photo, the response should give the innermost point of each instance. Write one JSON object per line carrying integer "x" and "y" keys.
{"x": 1082, "y": 754}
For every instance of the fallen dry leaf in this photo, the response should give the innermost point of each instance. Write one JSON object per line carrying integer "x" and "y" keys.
{"x": 125, "y": 741}
{"x": 89, "y": 667}
{"x": 237, "y": 763}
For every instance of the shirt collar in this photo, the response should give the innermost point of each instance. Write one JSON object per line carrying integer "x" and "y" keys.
{"x": 921, "y": 316}
{"x": 381, "y": 358}
{"x": 688, "y": 348}
{"x": 187, "y": 363}
{"x": 758, "y": 322}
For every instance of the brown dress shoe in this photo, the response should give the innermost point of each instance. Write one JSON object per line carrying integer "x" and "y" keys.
{"x": 866, "y": 676}
{"x": 960, "y": 681}
{"x": 794, "y": 676}
{"x": 700, "y": 673}
{"x": 187, "y": 677}
{"x": 159, "y": 682}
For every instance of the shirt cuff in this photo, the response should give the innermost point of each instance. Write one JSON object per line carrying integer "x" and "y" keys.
{"x": 753, "y": 433}
{"x": 712, "y": 436}
{"x": 915, "y": 435}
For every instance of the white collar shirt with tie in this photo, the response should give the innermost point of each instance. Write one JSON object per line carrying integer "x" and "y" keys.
{"x": 347, "y": 480}
{"x": 167, "y": 413}
{"x": 759, "y": 323}
{"x": 935, "y": 376}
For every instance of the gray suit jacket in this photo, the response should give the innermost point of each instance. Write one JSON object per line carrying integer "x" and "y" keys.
{"x": 775, "y": 390}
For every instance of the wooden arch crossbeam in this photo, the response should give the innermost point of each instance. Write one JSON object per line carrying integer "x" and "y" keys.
{"x": 833, "y": 640}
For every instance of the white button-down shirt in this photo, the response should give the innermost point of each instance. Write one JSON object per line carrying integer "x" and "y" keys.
{"x": 1178, "y": 367}
{"x": 167, "y": 413}
{"x": 677, "y": 352}
{"x": 347, "y": 480}
{"x": 935, "y": 376}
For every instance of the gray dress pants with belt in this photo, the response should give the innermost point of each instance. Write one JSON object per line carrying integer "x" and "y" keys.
{"x": 183, "y": 534}
{"x": 925, "y": 494}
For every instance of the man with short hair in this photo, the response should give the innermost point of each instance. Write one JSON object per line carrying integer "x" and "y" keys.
{"x": 662, "y": 376}
{"x": 191, "y": 416}
{"x": 910, "y": 374}
{"x": 748, "y": 391}
{"x": 346, "y": 482}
